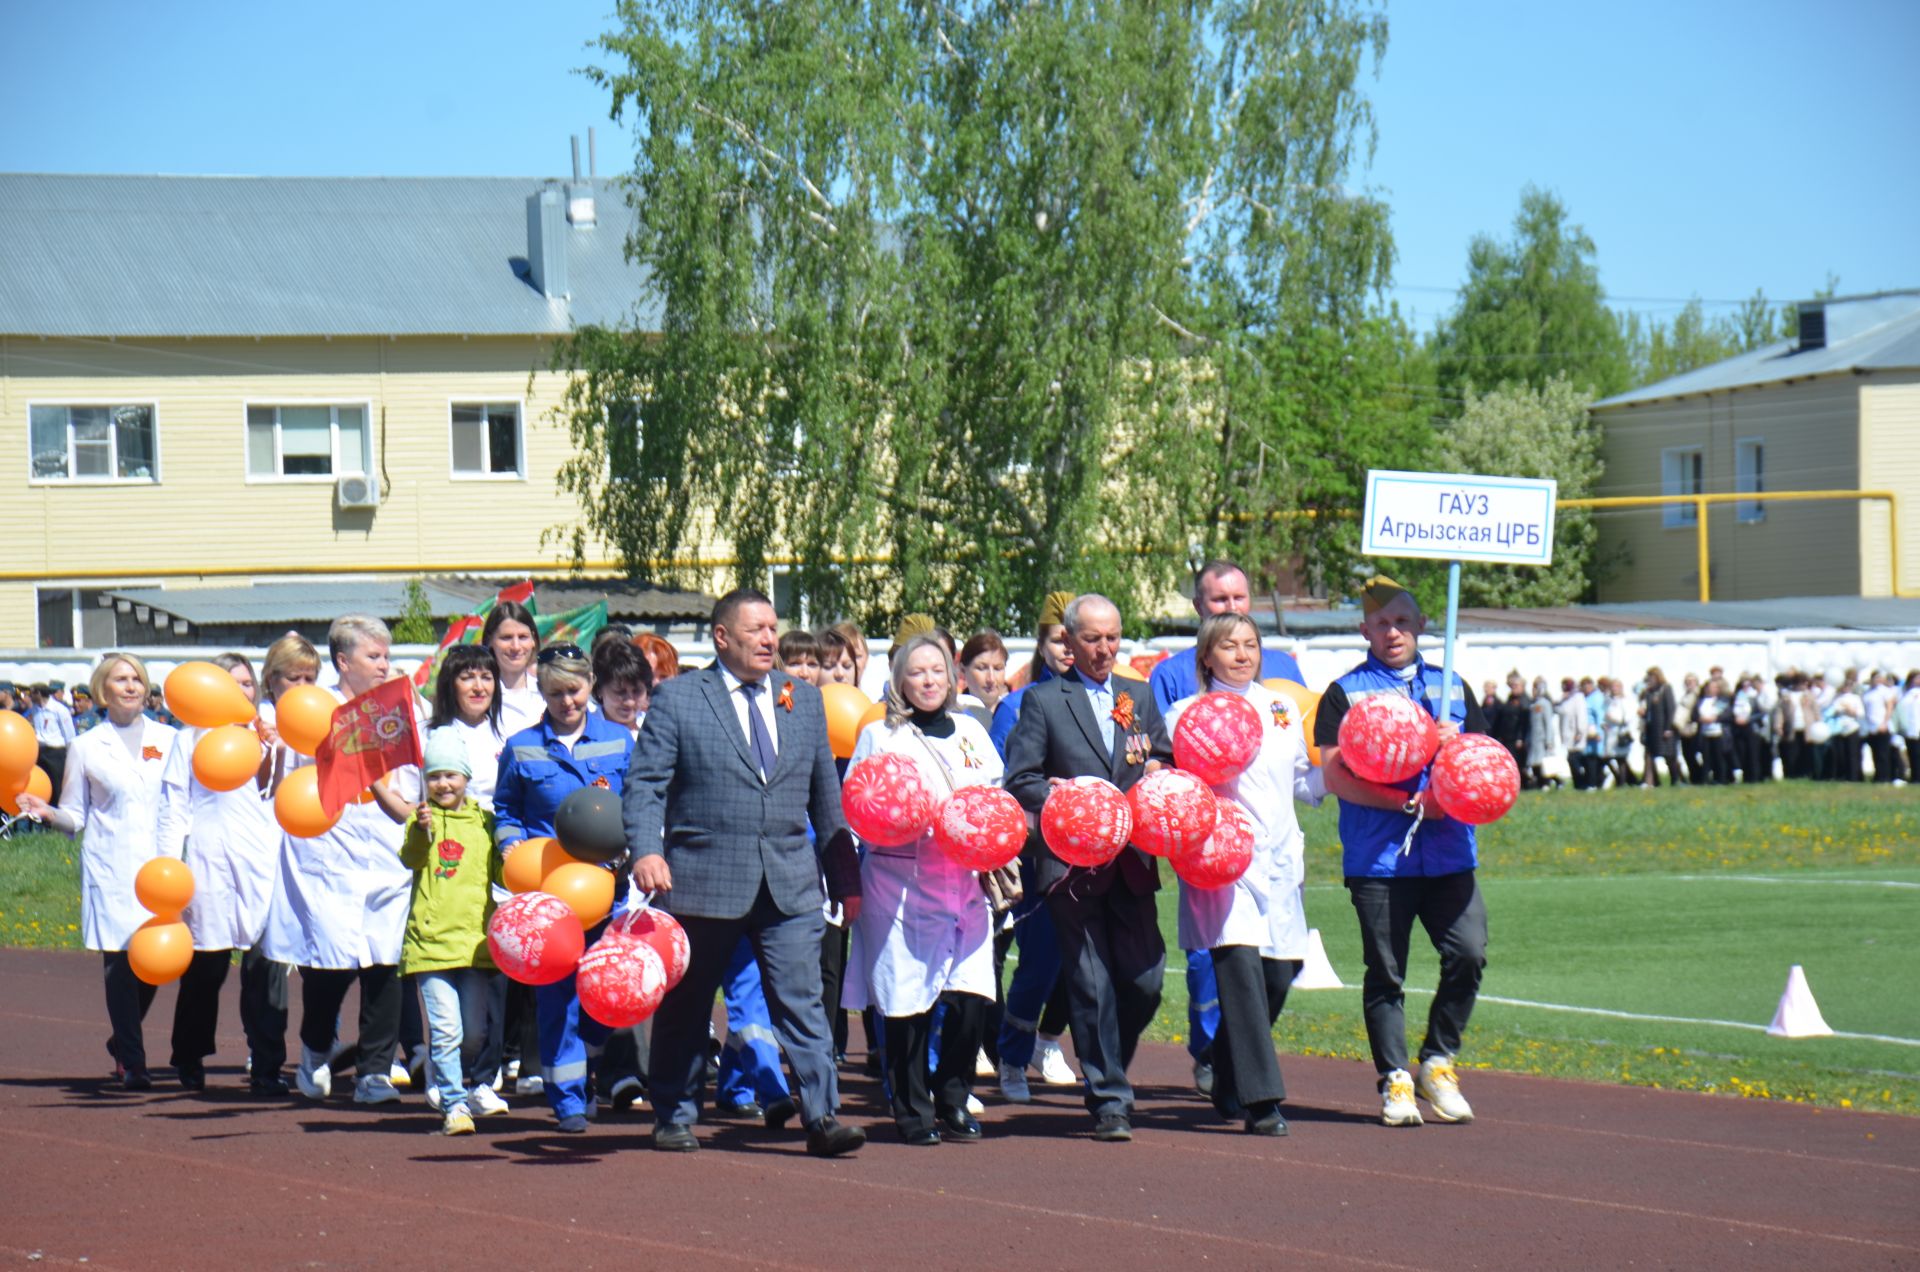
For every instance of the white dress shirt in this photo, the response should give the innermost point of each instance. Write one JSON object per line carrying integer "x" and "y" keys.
{"x": 1101, "y": 697}
{"x": 763, "y": 700}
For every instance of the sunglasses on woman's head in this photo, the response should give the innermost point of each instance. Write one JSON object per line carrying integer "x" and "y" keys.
{"x": 551, "y": 652}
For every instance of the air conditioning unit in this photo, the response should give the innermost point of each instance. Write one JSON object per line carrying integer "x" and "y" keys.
{"x": 357, "y": 492}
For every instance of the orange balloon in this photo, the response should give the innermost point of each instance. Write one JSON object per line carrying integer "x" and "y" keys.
{"x": 1306, "y": 705}
{"x": 364, "y": 797}
{"x": 530, "y": 861}
{"x": 878, "y": 711}
{"x": 1127, "y": 671}
{"x": 303, "y": 715}
{"x": 206, "y": 696}
{"x": 586, "y": 888}
{"x": 160, "y": 950}
{"x": 36, "y": 782}
{"x": 297, "y": 805}
{"x": 19, "y": 748}
{"x": 227, "y": 757}
{"x": 164, "y": 885}
{"x": 846, "y": 707}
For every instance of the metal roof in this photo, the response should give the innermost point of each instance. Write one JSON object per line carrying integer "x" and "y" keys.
{"x": 299, "y": 256}
{"x": 320, "y": 601}
{"x": 1864, "y": 333}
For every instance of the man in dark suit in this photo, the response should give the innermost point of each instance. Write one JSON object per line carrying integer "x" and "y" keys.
{"x": 730, "y": 764}
{"x": 1086, "y": 723}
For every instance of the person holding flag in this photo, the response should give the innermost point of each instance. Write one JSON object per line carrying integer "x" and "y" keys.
{"x": 339, "y": 913}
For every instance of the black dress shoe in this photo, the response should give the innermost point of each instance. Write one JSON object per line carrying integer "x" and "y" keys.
{"x": 1113, "y": 1129}
{"x": 958, "y": 1124}
{"x": 920, "y": 1137}
{"x": 779, "y": 1113}
{"x": 192, "y": 1076}
{"x": 1266, "y": 1120}
{"x": 268, "y": 1084}
{"x": 674, "y": 1137}
{"x": 136, "y": 1080}
{"x": 744, "y": 1110}
{"x": 829, "y": 1137}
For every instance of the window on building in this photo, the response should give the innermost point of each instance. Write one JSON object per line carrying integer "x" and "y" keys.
{"x": 1750, "y": 477}
{"x": 1683, "y": 471}
{"x": 66, "y": 613}
{"x": 92, "y": 443}
{"x": 307, "y": 441}
{"x": 486, "y": 439}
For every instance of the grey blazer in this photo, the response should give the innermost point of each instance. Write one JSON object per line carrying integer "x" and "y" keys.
{"x": 694, "y": 794}
{"x": 1057, "y": 736}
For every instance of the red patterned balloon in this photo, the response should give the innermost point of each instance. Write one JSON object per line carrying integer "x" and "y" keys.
{"x": 1475, "y": 779}
{"x": 536, "y": 938}
{"x": 1086, "y": 822}
{"x": 1388, "y": 737}
{"x": 620, "y": 982}
{"x": 1217, "y": 737}
{"x": 981, "y": 828}
{"x": 1171, "y": 809}
{"x": 1225, "y": 855}
{"x": 885, "y": 801}
{"x": 658, "y": 929}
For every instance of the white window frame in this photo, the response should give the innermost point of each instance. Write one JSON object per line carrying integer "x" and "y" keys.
{"x": 278, "y": 477}
{"x": 519, "y": 406}
{"x": 1680, "y": 516}
{"x": 1750, "y": 478}
{"x": 112, "y": 478}
{"x": 78, "y": 609}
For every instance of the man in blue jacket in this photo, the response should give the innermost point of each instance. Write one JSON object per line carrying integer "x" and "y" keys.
{"x": 1405, "y": 860}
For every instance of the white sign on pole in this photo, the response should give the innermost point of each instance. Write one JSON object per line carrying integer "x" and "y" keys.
{"x": 1459, "y": 517}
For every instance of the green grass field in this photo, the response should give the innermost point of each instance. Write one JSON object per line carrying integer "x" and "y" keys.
{"x": 1685, "y": 904}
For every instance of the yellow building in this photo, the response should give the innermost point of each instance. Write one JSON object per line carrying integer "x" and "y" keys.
{"x": 1836, "y": 409}
{"x": 220, "y": 381}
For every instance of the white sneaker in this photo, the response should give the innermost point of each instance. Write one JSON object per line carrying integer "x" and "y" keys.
{"x": 397, "y": 1074}
{"x": 374, "y": 1089}
{"x": 433, "y": 1099}
{"x": 1052, "y": 1063}
{"x": 459, "y": 1121}
{"x": 1396, "y": 1102}
{"x": 1439, "y": 1086}
{"x": 974, "y": 1106}
{"x": 529, "y": 1084}
{"x": 513, "y": 1070}
{"x": 1013, "y": 1085}
{"x": 313, "y": 1078}
{"x": 983, "y": 1067}
{"x": 483, "y": 1102}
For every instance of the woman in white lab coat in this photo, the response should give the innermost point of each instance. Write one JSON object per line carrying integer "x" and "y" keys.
{"x": 1254, "y": 927}
{"x": 231, "y": 842}
{"x": 111, "y": 791}
{"x": 339, "y": 909}
{"x": 923, "y": 935}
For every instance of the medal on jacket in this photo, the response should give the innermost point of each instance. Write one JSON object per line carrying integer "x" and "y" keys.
{"x": 1279, "y": 709}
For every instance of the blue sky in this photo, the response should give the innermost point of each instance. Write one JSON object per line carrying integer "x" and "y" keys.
{"x": 1708, "y": 148}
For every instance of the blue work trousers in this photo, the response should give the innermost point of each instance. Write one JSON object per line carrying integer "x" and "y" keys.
{"x": 750, "y": 1059}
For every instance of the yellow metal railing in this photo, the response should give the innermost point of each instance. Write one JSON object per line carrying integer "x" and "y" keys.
{"x": 1701, "y": 502}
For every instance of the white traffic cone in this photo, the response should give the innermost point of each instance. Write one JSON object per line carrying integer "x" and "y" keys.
{"x": 1798, "y": 1016}
{"x": 1315, "y": 971}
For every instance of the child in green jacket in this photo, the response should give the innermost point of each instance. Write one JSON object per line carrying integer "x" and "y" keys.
{"x": 449, "y": 847}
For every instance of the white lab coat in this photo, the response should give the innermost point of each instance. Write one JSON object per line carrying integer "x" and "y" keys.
{"x": 925, "y": 927}
{"x": 231, "y": 842}
{"x": 340, "y": 900}
{"x": 1264, "y": 906}
{"x": 114, "y": 800}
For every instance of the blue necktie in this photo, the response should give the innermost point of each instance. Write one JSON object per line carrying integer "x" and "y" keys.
{"x": 757, "y": 731}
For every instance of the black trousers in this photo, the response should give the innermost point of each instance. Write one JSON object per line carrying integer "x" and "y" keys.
{"x": 263, "y": 1012}
{"x": 1112, "y": 960}
{"x": 54, "y": 760}
{"x": 1253, "y": 990}
{"x": 833, "y": 972}
{"x": 322, "y": 990}
{"x": 128, "y": 998}
{"x": 196, "y": 1011}
{"x": 1885, "y": 766}
{"x": 1450, "y": 908}
{"x": 917, "y": 1096}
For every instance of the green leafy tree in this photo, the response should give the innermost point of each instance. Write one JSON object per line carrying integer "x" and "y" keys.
{"x": 416, "y": 617}
{"x": 1532, "y": 308}
{"x": 967, "y": 301}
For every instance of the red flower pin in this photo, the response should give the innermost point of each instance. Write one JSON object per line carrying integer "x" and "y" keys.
{"x": 786, "y": 696}
{"x": 1123, "y": 710}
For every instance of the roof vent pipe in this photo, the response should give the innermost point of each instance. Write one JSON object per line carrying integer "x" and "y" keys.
{"x": 547, "y": 243}
{"x": 579, "y": 193}
{"x": 1813, "y": 328}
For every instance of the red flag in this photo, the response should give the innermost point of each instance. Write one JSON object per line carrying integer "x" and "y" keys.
{"x": 371, "y": 735}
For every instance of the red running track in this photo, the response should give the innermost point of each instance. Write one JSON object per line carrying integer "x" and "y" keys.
{"x": 1553, "y": 1174}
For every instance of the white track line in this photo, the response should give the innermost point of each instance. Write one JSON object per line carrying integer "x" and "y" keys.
{"x": 1668, "y": 1020}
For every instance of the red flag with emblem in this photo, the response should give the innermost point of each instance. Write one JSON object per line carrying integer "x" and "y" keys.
{"x": 371, "y": 736}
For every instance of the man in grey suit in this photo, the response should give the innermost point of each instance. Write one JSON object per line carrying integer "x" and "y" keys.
{"x": 1087, "y": 723}
{"x": 730, "y": 764}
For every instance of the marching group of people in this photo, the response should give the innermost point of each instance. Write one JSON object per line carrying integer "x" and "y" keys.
{"x": 1713, "y": 731}
{"x": 729, "y": 793}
